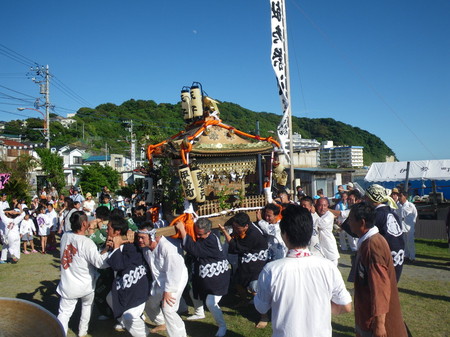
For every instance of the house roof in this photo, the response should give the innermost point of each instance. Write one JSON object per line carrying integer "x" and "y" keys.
{"x": 8, "y": 142}
{"x": 322, "y": 170}
{"x": 97, "y": 158}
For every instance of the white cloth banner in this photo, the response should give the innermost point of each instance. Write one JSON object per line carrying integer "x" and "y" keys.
{"x": 278, "y": 59}
{"x": 418, "y": 170}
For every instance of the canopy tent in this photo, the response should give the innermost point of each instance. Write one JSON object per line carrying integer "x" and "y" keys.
{"x": 418, "y": 170}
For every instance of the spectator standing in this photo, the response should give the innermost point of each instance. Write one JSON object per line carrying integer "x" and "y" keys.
{"x": 26, "y": 231}
{"x": 300, "y": 193}
{"x": 408, "y": 213}
{"x": 43, "y": 227}
{"x": 3, "y": 202}
{"x": 377, "y": 304}
{"x": 89, "y": 205}
{"x": 325, "y": 224}
{"x": 346, "y": 241}
{"x": 106, "y": 202}
{"x": 76, "y": 196}
{"x": 53, "y": 223}
{"x": 54, "y": 193}
{"x": 105, "y": 191}
{"x": 65, "y": 214}
{"x": 388, "y": 223}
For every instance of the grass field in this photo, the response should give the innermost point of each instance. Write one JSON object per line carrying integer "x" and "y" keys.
{"x": 424, "y": 294}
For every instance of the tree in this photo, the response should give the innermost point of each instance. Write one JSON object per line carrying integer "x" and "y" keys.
{"x": 94, "y": 177}
{"x": 17, "y": 184}
{"x": 53, "y": 167}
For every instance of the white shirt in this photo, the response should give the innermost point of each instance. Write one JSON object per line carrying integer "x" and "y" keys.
{"x": 52, "y": 220}
{"x": 167, "y": 266}
{"x": 314, "y": 244}
{"x": 408, "y": 216}
{"x": 27, "y": 227}
{"x": 277, "y": 247}
{"x": 9, "y": 225}
{"x": 79, "y": 260}
{"x": 326, "y": 238}
{"x": 4, "y": 205}
{"x": 43, "y": 224}
{"x": 299, "y": 291}
{"x": 66, "y": 219}
{"x": 89, "y": 205}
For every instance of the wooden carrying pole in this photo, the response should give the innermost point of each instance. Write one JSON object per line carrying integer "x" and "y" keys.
{"x": 170, "y": 230}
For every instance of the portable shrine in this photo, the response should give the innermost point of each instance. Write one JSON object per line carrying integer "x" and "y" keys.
{"x": 217, "y": 163}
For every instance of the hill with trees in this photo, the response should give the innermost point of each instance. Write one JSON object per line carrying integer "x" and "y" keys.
{"x": 107, "y": 125}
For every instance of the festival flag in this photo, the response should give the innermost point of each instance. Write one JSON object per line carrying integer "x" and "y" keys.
{"x": 4, "y": 177}
{"x": 279, "y": 64}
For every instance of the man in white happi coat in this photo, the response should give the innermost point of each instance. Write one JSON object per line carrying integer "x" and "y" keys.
{"x": 170, "y": 276}
{"x": 9, "y": 231}
{"x": 325, "y": 224}
{"x": 79, "y": 260}
{"x": 302, "y": 290}
{"x": 314, "y": 244}
{"x": 408, "y": 216}
{"x": 3, "y": 202}
{"x": 270, "y": 226}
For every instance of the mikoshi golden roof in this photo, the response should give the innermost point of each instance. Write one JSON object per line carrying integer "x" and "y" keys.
{"x": 211, "y": 138}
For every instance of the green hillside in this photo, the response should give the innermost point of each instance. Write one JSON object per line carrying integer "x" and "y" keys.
{"x": 106, "y": 125}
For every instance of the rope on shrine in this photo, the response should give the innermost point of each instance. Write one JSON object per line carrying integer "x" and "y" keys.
{"x": 187, "y": 143}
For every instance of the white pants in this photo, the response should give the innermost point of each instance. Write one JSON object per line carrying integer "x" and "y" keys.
{"x": 344, "y": 237}
{"x": 198, "y": 304}
{"x": 66, "y": 308}
{"x": 166, "y": 314}
{"x": 131, "y": 319}
{"x": 13, "y": 246}
{"x": 410, "y": 248}
{"x": 212, "y": 302}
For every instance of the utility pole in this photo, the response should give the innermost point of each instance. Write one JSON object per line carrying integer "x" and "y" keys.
{"x": 260, "y": 175}
{"x": 47, "y": 104}
{"x": 44, "y": 84}
{"x": 106, "y": 155}
{"x": 133, "y": 144}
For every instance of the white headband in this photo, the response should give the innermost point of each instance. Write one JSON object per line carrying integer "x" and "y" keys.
{"x": 151, "y": 233}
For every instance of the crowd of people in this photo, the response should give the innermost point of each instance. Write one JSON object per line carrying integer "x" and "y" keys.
{"x": 114, "y": 257}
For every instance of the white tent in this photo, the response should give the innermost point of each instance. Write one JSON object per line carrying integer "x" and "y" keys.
{"x": 418, "y": 170}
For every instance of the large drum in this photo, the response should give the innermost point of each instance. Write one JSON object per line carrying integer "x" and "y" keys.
{"x": 20, "y": 318}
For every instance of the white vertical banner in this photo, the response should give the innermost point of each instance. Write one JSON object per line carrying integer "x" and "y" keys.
{"x": 280, "y": 66}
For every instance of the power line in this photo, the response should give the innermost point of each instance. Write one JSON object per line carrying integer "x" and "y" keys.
{"x": 71, "y": 92}
{"x": 14, "y": 113}
{"x": 16, "y": 104}
{"x": 15, "y": 98}
{"x": 17, "y": 92}
{"x": 15, "y": 56}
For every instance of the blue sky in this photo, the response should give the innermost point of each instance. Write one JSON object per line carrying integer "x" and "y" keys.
{"x": 383, "y": 66}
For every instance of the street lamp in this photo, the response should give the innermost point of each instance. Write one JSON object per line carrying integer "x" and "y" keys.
{"x": 46, "y": 125}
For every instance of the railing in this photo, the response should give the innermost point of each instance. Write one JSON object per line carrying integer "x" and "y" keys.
{"x": 250, "y": 202}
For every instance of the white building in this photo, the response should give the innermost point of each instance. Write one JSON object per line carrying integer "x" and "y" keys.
{"x": 306, "y": 152}
{"x": 116, "y": 161}
{"x": 342, "y": 156}
{"x": 66, "y": 122}
{"x": 72, "y": 160}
